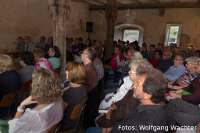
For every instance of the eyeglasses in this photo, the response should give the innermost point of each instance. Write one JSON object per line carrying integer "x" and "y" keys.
{"x": 131, "y": 72}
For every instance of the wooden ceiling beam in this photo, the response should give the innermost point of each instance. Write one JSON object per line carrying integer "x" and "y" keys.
{"x": 100, "y": 2}
{"x": 155, "y": 1}
{"x": 85, "y": 1}
{"x": 138, "y": 1}
{"x": 154, "y": 6}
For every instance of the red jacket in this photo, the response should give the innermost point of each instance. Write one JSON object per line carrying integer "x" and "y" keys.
{"x": 113, "y": 62}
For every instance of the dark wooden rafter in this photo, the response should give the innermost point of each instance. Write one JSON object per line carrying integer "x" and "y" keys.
{"x": 155, "y": 1}
{"x": 154, "y": 6}
{"x": 176, "y": 1}
{"x": 138, "y": 1}
{"x": 100, "y": 2}
{"x": 85, "y": 1}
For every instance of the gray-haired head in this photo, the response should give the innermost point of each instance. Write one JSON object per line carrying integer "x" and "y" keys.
{"x": 140, "y": 66}
{"x": 198, "y": 60}
{"x": 192, "y": 60}
{"x": 137, "y": 55}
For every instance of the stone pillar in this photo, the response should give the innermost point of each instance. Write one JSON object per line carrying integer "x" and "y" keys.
{"x": 111, "y": 16}
{"x": 59, "y": 11}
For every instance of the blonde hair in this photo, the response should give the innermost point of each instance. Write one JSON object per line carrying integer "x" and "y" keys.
{"x": 6, "y": 63}
{"x": 76, "y": 72}
{"x": 45, "y": 86}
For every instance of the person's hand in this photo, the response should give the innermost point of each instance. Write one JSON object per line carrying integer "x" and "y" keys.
{"x": 179, "y": 91}
{"x": 174, "y": 94}
{"x": 117, "y": 89}
{"x": 113, "y": 106}
{"x": 108, "y": 114}
{"x": 106, "y": 130}
{"x": 169, "y": 85}
{"x": 27, "y": 101}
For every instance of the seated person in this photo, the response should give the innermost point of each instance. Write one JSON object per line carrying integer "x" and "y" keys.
{"x": 9, "y": 80}
{"x": 156, "y": 59}
{"x": 48, "y": 44}
{"x": 166, "y": 62}
{"x": 177, "y": 70}
{"x": 123, "y": 65}
{"x": 113, "y": 63}
{"x": 46, "y": 94}
{"x": 128, "y": 81}
{"x": 87, "y": 58}
{"x": 144, "y": 52}
{"x": 40, "y": 60}
{"x": 42, "y": 43}
{"x": 54, "y": 57}
{"x": 149, "y": 88}
{"x": 188, "y": 76}
{"x": 126, "y": 60}
{"x": 151, "y": 53}
{"x": 74, "y": 94}
{"x": 131, "y": 56}
{"x": 76, "y": 47}
{"x": 20, "y": 45}
{"x": 121, "y": 108}
{"x": 193, "y": 88}
{"x": 26, "y": 60}
{"x": 183, "y": 113}
{"x": 98, "y": 63}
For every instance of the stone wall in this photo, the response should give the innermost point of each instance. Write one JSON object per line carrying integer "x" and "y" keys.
{"x": 32, "y": 17}
{"x": 153, "y": 24}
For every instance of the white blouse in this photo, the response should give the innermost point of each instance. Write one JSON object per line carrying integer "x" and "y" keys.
{"x": 33, "y": 121}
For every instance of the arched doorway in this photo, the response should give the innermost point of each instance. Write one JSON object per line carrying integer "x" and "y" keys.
{"x": 121, "y": 28}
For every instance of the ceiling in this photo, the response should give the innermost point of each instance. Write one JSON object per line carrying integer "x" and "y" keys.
{"x": 143, "y": 4}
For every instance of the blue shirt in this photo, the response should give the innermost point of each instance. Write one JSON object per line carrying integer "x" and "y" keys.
{"x": 174, "y": 72}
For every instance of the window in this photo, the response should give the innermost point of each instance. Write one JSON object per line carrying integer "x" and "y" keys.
{"x": 173, "y": 34}
{"x": 131, "y": 35}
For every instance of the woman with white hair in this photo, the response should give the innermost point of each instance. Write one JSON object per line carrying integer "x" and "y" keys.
{"x": 124, "y": 88}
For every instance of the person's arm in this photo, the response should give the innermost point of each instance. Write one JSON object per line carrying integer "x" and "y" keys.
{"x": 21, "y": 108}
{"x": 195, "y": 96}
{"x": 65, "y": 104}
{"x": 174, "y": 87}
{"x": 172, "y": 75}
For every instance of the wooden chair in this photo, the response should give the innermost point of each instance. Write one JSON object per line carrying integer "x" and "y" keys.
{"x": 53, "y": 129}
{"x": 26, "y": 86}
{"x": 8, "y": 100}
{"x": 77, "y": 113}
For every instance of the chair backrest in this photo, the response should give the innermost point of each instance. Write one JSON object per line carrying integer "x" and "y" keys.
{"x": 52, "y": 129}
{"x": 26, "y": 86}
{"x": 8, "y": 99}
{"x": 76, "y": 111}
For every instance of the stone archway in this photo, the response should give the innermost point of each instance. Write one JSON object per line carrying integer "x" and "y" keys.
{"x": 119, "y": 31}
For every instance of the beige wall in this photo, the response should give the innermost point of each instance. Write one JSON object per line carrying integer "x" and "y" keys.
{"x": 153, "y": 24}
{"x": 31, "y": 17}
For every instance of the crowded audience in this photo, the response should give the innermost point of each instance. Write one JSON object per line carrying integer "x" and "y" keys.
{"x": 153, "y": 85}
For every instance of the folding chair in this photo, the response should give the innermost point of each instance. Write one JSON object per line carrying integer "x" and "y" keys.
{"x": 77, "y": 113}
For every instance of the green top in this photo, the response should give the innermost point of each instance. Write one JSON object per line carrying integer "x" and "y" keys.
{"x": 55, "y": 62}
{"x": 185, "y": 93}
